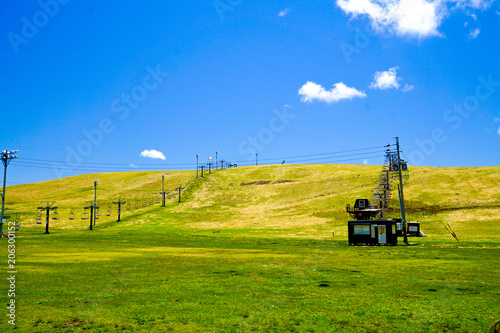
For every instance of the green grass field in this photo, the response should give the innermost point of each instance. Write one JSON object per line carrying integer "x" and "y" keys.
{"x": 252, "y": 249}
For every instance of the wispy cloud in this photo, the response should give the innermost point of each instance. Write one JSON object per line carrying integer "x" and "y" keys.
{"x": 474, "y": 33}
{"x": 283, "y": 12}
{"x": 388, "y": 80}
{"x": 153, "y": 154}
{"x": 407, "y": 88}
{"x": 311, "y": 91}
{"x": 498, "y": 131}
{"x": 475, "y": 4}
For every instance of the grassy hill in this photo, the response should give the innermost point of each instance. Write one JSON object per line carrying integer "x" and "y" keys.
{"x": 251, "y": 249}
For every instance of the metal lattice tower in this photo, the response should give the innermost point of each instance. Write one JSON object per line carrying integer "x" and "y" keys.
{"x": 391, "y": 169}
{"x": 383, "y": 192}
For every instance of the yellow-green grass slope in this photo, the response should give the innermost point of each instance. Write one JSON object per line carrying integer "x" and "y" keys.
{"x": 252, "y": 249}
{"x": 286, "y": 201}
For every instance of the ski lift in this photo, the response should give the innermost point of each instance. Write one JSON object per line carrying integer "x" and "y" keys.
{"x": 136, "y": 203}
{"x": 97, "y": 214}
{"x": 85, "y": 215}
{"x": 109, "y": 211}
{"x": 72, "y": 214}
{"x": 157, "y": 199}
{"x": 151, "y": 201}
{"x": 38, "y": 218}
{"x": 128, "y": 206}
{"x": 56, "y": 215}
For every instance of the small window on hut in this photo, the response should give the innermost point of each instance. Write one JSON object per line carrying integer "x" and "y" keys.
{"x": 363, "y": 229}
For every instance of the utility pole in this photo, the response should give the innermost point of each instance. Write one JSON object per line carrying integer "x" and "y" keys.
{"x": 47, "y": 207}
{"x": 180, "y": 188}
{"x": 7, "y": 156}
{"x": 93, "y": 206}
{"x": 202, "y": 170}
{"x": 197, "y": 155}
{"x": 96, "y": 182}
{"x": 163, "y": 191}
{"x": 119, "y": 203}
{"x": 256, "y": 154}
{"x": 401, "y": 195}
{"x": 216, "y": 156}
{"x": 210, "y": 168}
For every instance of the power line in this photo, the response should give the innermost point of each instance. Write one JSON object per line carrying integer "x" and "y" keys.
{"x": 312, "y": 155}
{"x": 83, "y": 166}
{"x": 96, "y": 163}
{"x": 332, "y": 159}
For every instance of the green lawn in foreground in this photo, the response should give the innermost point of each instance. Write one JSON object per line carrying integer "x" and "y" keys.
{"x": 251, "y": 249}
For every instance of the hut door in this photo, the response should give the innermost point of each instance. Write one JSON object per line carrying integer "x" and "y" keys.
{"x": 382, "y": 234}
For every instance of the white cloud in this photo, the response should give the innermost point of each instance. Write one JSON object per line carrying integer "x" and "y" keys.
{"x": 498, "y": 131}
{"x": 385, "y": 80}
{"x": 365, "y": 161}
{"x": 474, "y": 33}
{"x": 312, "y": 91}
{"x": 153, "y": 154}
{"x": 388, "y": 80}
{"x": 133, "y": 165}
{"x": 496, "y": 119}
{"x": 414, "y": 18}
{"x": 283, "y": 12}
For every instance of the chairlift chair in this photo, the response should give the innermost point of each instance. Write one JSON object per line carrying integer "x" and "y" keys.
{"x": 56, "y": 216}
{"x": 85, "y": 215}
{"x": 109, "y": 211}
{"x": 72, "y": 214}
{"x": 38, "y": 218}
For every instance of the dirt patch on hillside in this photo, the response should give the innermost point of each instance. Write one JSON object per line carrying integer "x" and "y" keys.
{"x": 260, "y": 182}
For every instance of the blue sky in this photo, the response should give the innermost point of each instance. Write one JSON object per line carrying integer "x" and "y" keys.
{"x": 93, "y": 86}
